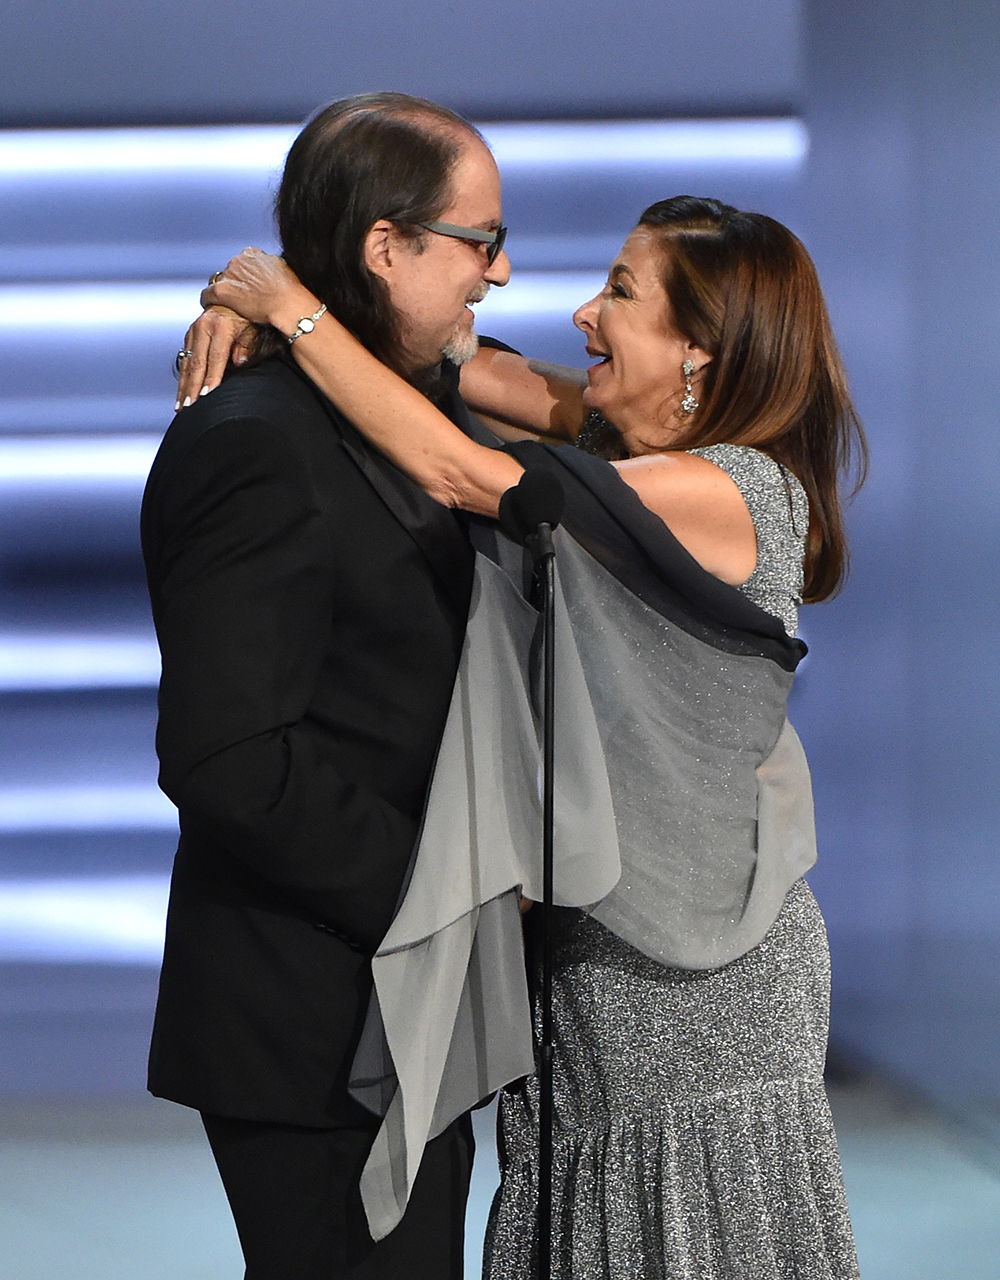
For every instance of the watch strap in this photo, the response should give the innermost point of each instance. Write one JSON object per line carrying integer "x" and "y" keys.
{"x": 307, "y": 324}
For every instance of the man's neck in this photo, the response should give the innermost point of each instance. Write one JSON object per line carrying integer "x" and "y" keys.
{"x": 437, "y": 383}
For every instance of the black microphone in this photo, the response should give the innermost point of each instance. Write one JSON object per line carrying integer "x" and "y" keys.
{"x": 532, "y": 509}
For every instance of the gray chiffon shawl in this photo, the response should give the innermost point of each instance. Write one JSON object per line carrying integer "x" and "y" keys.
{"x": 683, "y": 814}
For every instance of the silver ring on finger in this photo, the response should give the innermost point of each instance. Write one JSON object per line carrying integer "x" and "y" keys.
{"x": 215, "y": 277}
{"x": 179, "y": 359}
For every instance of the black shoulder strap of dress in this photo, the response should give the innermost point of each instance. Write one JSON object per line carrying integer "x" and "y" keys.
{"x": 606, "y": 517}
{"x": 497, "y": 345}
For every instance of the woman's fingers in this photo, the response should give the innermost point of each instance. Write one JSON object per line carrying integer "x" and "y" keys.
{"x": 224, "y": 328}
{"x": 238, "y": 287}
{"x": 199, "y": 343}
{"x": 222, "y": 293}
{"x": 254, "y": 283}
{"x": 210, "y": 340}
{"x": 190, "y": 366}
{"x": 243, "y": 345}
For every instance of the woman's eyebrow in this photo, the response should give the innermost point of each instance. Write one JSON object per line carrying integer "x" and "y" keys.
{"x": 620, "y": 269}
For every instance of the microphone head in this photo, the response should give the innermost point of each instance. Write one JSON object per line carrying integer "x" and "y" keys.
{"x": 537, "y": 498}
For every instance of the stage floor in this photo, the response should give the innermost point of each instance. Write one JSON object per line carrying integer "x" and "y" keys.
{"x": 127, "y": 1191}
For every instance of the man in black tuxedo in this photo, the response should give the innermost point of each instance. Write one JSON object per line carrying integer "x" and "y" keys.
{"x": 310, "y": 604}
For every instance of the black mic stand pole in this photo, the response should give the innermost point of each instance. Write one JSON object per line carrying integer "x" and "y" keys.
{"x": 528, "y": 514}
{"x": 544, "y": 555}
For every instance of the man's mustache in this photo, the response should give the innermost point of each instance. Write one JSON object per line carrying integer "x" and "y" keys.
{"x": 479, "y": 292}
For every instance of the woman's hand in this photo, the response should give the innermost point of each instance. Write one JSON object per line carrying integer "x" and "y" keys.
{"x": 217, "y": 337}
{"x": 263, "y": 289}
{"x": 256, "y": 288}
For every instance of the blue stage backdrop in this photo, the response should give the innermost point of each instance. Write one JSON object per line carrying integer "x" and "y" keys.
{"x": 121, "y": 62}
{"x": 902, "y": 209}
{"x": 870, "y": 129}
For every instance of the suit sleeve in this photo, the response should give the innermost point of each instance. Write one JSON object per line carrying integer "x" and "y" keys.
{"x": 244, "y": 594}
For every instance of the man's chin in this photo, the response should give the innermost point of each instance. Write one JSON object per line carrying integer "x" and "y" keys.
{"x": 461, "y": 346}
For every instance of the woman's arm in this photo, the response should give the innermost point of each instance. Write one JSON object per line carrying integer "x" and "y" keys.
{"x": 540, "y": 398}
{"x": 402, "y": 422}
{"x": 518, "y": 397}
{"x": 697, "y": 500}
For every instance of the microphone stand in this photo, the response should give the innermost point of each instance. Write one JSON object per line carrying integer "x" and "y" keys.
{"x": 543, "y": 552}
{"x": 528, "y": 514}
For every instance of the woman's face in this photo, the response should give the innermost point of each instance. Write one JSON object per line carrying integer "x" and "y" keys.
{"x": 638, "y": 383}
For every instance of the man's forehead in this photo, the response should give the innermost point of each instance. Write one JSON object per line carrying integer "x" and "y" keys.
{"x": 475, "y": 183}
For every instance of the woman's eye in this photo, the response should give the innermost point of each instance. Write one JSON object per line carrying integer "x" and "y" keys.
{"x": 618, "y": 290}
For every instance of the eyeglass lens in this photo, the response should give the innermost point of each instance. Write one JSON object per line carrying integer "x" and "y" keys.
{"x": 493, "y": 250}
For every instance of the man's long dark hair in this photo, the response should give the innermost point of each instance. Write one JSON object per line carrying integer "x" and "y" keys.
{"x": 373, "y": 156}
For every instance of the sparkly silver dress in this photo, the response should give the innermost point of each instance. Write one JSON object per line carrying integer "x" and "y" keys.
{"x": 693, "y": 1140}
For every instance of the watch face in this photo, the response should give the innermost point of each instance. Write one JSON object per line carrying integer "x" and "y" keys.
{"x": 306, "y": 325}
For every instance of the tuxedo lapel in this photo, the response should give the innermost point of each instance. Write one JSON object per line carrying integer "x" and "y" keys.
{"x": 437, "y": 531}
{"x": 434, "y": 528}
{"x": 474, "y": 428}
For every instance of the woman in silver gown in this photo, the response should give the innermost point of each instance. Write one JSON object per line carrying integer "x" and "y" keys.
{"x": 693, "y": 1135}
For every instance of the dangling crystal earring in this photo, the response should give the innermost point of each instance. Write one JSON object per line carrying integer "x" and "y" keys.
{"x": 689, "y": 403}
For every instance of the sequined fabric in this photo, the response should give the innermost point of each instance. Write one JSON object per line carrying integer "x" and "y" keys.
{"x": 693, "y": 1140}
{"x": 779, "y": 509}
{"x": 599, "y": 437}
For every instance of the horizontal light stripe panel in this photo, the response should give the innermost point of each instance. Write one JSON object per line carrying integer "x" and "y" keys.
{"x": 170, "y": 152}
{"x": 82, "y": 808}
{"x": 648, "y": 144}
{"x": 161, "y": 259}
{"x": 61, "y": 307}
{"x": 539, "y": 294}
{"x": 177, "y": 260}
{"x": 152, "y": 306}
{"x": 104, "y": 920}
{"x": 46, "y": 661}
{"x": 261, "y": 149}
{"x": 76, "y": 461}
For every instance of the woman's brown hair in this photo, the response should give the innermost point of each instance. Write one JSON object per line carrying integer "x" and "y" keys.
{"x": 743, "y": 288}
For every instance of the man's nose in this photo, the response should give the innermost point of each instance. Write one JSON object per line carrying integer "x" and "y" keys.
{"x": 498, "y": 272}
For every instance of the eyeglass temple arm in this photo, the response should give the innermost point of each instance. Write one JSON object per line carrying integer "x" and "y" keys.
{"x": 461, "y": 233}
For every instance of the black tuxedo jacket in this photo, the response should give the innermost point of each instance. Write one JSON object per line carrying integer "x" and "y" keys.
{"x": 310, "y": 604}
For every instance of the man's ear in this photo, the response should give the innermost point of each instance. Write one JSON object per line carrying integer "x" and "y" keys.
{"x": 380, "y": 248}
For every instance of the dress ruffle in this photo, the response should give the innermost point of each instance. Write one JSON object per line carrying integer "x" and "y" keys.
{"x": 693, "y": 1135}
{"x": 739, "y": 1185}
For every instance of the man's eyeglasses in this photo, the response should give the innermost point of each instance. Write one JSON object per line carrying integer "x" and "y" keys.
{"x": 493, "y": 240}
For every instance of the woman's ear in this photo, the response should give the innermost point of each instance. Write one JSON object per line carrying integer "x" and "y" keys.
{"x": 379, "y": 248}
{"x": 701, "y": 358}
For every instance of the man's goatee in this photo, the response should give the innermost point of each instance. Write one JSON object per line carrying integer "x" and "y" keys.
{"x": 461, "y": 346}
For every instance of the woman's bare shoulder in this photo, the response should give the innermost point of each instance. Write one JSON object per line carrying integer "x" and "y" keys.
{"x": 701, "y": 505}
